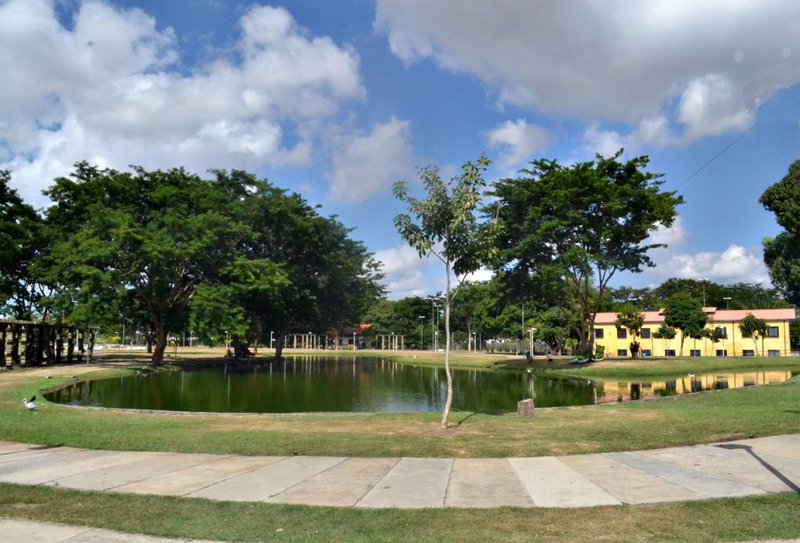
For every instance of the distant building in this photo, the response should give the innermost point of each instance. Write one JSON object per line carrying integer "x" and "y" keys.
{"x": 617, "y": 341}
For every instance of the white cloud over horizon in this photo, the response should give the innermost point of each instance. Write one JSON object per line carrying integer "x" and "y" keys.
{"x": 518, "y": 141}
{"x": 736, "y": 264}
{"x": 108, "y": 90}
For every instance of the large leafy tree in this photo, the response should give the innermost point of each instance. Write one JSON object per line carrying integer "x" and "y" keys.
{"x": 21, "y": 242}
{"x": 782, "y": 253}
{"x": 579, "y": 224}
{"x": 294, "y": 269}
{"x": 138, "y": 242}
{"x": 631, "y": 319}
{"x": 444, "y": 225}
{"x": 686, "y": 314}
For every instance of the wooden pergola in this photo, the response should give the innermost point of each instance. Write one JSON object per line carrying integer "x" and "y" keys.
{"x": 29, "y": 343}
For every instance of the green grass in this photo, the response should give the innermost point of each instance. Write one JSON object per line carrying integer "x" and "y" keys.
{"x": 766, "y": 517}
{"x": 702, "y": 418}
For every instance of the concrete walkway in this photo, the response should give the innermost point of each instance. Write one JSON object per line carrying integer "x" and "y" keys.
{"x": 734, "y": 469}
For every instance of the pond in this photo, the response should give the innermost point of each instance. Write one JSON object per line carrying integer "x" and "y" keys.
{"x": 331, "y": 384}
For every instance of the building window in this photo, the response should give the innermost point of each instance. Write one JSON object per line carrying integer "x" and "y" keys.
{"x": 694, "y": 352}
{"x": 748, "y": 352}
{"x": 722, "y": 352}
{"x": 645, "y": 333}
{"x": 622, "y": 333}
{"x": 669, "y": 352}
{"x": 772, "y": 331}
{"x": 622, "y": 352}
{"x": 773, "y": 353}
{"x": 721, "y": 332}
{"x": 598, "y": 333}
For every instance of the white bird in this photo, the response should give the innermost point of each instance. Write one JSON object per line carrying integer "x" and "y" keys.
{"x": 691, "y": 375}
{"x": 29, "y": 403}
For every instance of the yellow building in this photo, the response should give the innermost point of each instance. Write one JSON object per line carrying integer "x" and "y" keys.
{"x": 617, "y": 341}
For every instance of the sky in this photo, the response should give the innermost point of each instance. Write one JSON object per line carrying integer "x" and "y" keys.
{"x": 337, "y": 100}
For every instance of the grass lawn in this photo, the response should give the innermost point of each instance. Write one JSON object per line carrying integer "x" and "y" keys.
{"x": 767, "y": 517}
{"x": 701, "y": 418}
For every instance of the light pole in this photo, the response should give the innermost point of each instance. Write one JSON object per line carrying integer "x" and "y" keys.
{"x": 421, "y": 332}
{"x": 727, "y": 301}
{"x": 531, "y": 331}
{"x": 271, "y": 336}
{"x": 705, "y": 279}
{"x": 354, "y": 341}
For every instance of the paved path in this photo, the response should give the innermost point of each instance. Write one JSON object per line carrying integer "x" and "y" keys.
{"x": 734, "y": 469}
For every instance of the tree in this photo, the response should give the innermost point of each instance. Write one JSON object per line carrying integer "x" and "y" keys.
{"x": 782, "y": 253}
{"x": 21, "y": 241}
{"x": 686, "y": 314}
{"x": 444, "y": 225}
{"x": 293, "y": 269}
{"x": 666, "y": 333}
{"x": 755, "y": 328}
{"x": 553, "y": 326}
{"x": 631, "y": 319}
{"x": 579, "y": 224}
{"x": 140, "y": 241}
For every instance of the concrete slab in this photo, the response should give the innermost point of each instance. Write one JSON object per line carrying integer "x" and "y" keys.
{"x": 787, "y": 446}
{"x": 41, "y": 469}
{"x": 133, "y": 466}
{"x": 551, "y": 483}
{"x": 23, "y": 531}
{"x": 263, "y": 483}
{"x": 786, "y": 469}
{"x": 193, "y": 478}
{"x": 33, "y": 452}
{"x": 731, "y": 464}
{"x": 8, "y": 447}
{"x": 625, "y": 483}
{"x": 414, "y": 483}
{"x": 340, "y": 486}
{"x": 706, "y": 485}
{"x": 485, "y": 482}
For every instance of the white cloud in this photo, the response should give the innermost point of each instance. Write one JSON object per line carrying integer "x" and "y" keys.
{"x": 702, "y": 67}
{"x": 735, "y": 264}
{"x": 518, "y": 141}
{"x": 367, "y": 166}
{"x": 108, "y": 89}
{"x": 403, "y": 271}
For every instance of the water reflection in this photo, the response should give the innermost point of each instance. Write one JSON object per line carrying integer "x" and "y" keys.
{"x": 320, "y": 384}
{"x": 627, "y": 391}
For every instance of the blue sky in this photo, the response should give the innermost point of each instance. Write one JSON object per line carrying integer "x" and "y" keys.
{"x": 337, "y": 100}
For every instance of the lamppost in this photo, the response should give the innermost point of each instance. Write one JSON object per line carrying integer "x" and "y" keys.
{"x": 421, "y": 332}
{"x": 226, "y": 342}
{"x": 354, "y": 341}
{"x": 531, "y": 331}
{"x": 705, "y": 279}
{"x": 727, "y": 301}
{"x": 271, "y": 338}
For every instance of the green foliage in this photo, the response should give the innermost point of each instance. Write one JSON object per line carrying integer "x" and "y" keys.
{"x": 685, "y": 313}
{"x": 665, "y": 332}
{"x": 444, "y": 225}
{"x": 753, "y": 327}
{"x": 631, "y": 319}
{"x": 782, "y": 253}
{"x": 21, "y": 240}
{"x": 578, "y": 225}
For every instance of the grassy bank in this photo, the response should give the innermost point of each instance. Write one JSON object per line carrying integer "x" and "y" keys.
{"x": 707, "y": 417}
{"x": 768, "y": 517}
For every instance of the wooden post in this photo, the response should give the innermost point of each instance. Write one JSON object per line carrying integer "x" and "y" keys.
{"x": 525, "y": 408}
{"x": 8, "y": 345}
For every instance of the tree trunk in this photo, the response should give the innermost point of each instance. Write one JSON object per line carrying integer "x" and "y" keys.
{"x": 449, "y": 401}
{"x": 682, "y": 339}
{"x": 161, "y": 346}
{"x": 279, "y": 346}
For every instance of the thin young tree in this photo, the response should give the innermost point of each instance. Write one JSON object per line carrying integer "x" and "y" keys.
{"x": 444, "y": 225}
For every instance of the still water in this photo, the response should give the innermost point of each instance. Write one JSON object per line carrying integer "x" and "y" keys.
{"x": 320, "y": 384}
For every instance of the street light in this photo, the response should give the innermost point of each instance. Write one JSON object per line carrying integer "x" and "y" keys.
{"x": 532, "y": 331}
{"x": 727, "y": 301}
{"x": 271, "y": 336}
{"x": 421, "y": 332}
